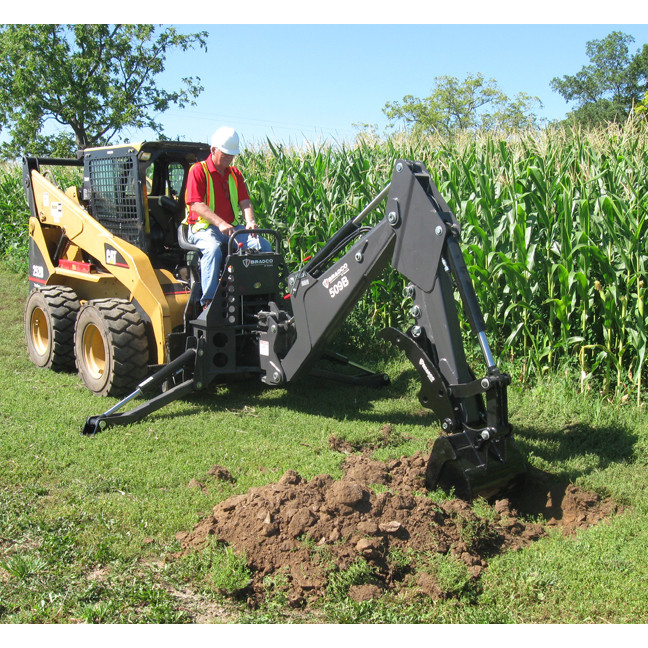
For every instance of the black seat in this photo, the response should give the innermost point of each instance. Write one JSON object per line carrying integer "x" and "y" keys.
{"x": 182, "y": 239}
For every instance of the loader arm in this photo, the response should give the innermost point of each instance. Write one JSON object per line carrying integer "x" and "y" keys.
{"x": 419, "y": 236}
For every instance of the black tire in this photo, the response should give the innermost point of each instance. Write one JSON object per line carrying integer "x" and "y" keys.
{"x": 111, "y": 347}
{"x": 50, "y": 315}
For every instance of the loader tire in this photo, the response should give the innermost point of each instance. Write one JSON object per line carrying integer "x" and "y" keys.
{"x": 111, "y": 347}
{"x": 50, "y": 315}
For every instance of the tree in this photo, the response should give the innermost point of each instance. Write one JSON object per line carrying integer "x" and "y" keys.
{"x": 606, "y": 89}
{"x": 93, "y": 80}
{"x": 462, "y": 105}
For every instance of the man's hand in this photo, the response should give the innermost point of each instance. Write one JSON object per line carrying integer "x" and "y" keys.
{"x": 226, "y": 228}
{"x": 251, "y": 225}
{"x": 248, "y": 214}
{"x": 203, "y": 211}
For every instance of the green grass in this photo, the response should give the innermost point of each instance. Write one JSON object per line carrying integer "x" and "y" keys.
{"x": 86, "y": 523}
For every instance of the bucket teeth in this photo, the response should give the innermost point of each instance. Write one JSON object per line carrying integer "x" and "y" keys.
{"x": 457, "y": 464}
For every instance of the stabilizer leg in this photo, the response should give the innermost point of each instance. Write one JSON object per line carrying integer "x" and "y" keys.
{"x": 186, "y": 361}
{"x": 363, "y": 376}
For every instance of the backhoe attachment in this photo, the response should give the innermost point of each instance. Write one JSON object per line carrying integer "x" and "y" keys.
{"x": 419, "y": 236}
{"x": 250, "y": 329}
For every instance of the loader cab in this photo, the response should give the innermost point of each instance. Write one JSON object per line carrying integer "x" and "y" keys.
{"x": 136, "y": 192}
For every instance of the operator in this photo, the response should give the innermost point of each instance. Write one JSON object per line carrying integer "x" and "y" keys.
{"x": 215, "y": 192}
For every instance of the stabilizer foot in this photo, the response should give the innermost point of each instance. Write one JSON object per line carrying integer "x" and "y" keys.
{"x": 92, "y": 426}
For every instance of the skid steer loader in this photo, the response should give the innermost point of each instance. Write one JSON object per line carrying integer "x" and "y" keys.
{"x": 115, "y": 292}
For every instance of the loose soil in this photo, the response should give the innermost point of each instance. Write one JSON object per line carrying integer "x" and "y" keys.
{"x": 302, "y": 533}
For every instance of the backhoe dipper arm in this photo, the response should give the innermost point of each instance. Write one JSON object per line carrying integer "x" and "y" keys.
{"x": 420, "y": 236}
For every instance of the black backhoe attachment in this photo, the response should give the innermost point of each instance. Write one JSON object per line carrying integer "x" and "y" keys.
{"x": 250, "y": 328}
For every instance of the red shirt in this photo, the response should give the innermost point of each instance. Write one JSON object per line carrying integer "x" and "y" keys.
{"x": 197, "y": 189}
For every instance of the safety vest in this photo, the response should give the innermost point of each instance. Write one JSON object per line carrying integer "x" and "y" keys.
{"x": 198, "y": 224}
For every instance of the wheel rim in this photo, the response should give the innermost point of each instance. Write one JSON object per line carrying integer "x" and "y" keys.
{"x": 39, "y": 331}
{"x": 94, "y": 351}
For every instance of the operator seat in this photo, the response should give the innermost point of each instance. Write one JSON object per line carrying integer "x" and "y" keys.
{"x": 182, "y": 239}
{"x": 192, "y": 254}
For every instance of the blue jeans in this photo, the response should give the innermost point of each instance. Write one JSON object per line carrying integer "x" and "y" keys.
{"x": 213, "y": 248}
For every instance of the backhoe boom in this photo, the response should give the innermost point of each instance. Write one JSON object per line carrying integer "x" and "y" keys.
{"x": 419, "y": 235}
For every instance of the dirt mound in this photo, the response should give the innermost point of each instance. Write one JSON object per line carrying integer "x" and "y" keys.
{"x": 379, "y": 518}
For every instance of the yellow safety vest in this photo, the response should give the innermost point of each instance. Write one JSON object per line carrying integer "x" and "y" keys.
{"x": 232, "y": 182}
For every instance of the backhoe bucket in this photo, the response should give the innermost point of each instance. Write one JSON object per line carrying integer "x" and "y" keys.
{"x": 471, "y": 470}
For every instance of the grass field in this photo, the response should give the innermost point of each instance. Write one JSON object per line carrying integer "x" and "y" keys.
{"x": 86, "y": 523}
{"x": 554, "y": 227}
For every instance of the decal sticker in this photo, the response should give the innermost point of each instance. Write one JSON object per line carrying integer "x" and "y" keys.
{"x": 338, "y": 286}
{"x": 57, "y": 211}
{"x": 257, "y": 262}
{"x": 341, "y": 271}
{"x": 428, "y": 373}
{"x": 114, "y": 258}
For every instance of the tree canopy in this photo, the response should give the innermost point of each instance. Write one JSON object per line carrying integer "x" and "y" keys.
{"x": 473, "y": 103}
{"x": 92, "y": 80}
{"x": 608, "y": 88}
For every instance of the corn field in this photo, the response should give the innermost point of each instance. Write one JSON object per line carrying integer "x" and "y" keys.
{"x": 553, "y": 227}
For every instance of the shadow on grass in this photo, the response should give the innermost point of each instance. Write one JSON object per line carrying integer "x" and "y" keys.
{"x": 579, "y": 447}
{"x": 310, "y": 395}
{"x": 597, "y": 447}
{"x": 326, "y": 398}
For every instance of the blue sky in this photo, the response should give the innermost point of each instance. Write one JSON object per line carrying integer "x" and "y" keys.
{"x": 293, "y": 73}
{"x": 313, "y": 82}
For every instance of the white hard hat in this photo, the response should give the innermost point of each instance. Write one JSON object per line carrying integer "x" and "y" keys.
{"x": 226, "y": 139}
